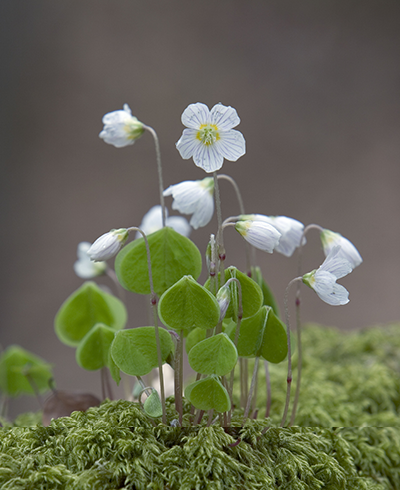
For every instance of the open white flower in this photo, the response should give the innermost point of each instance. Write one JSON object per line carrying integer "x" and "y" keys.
{"x": 260, "y": 234}
{"x": 108, "y": 245}
{"x": 348, "y": 251}
{"x": 194, "y": 197}
{"x": 121, "y": 128}
{"x": 86, "y": 268}
{"x": 323, "y": 280}
{"x": 210, "y": 137}
{"x": 290, "y": 229}
{"x": 152, "y": 221}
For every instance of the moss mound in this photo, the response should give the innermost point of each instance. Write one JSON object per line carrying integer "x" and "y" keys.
{"x": 347, "y": 436}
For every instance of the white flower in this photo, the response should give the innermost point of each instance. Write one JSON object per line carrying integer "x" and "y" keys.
{"x": 121, "y": 128}
{"x": 194, "y": 197}
{"x": 84, "y": 267}
{"x": 210, "y": 137}
{"x": 260, "y": 234}
{"x": 108, "y": 245}
{"x": 323, "y": 280}
{"x": 290, "y": 229}
{"x": 152, "y": 221}
{"x": 348, "y": 251}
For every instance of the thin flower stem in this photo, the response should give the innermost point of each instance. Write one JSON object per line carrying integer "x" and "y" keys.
{"x": 268, "y": 382}
{"x": 252, "y": 387}
{"x": 121, "y": 291}
{"x": 220, "y": 242}
{"x": 236, "y": 187}
{"x": 242, "y": 211}
{"x": 299, "y": 361}
{"x": 159, "y": 169}
{"x": 289, "y": 354}
{"x": 155, "y": 315}
{"x": 298, "y": 320}
{"x": 210, "y": 414}
{"x": 178, "y": 364}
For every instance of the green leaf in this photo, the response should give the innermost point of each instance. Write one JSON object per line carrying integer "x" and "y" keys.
{"x": 187, "y": 305}
{"x": 194, "y": 337}
{"x": 263, "y": 335}
{"x": 269, "y": 299}
{"x": 93, "y": 351}
{"x": 85, "y": 307}
{"x": 208, "y": 393}
{"x": 172, "y": 256}
{"x": 18, "y": 367}
{"x": 215, "y": 355}
{"x": 152, "y": 405}
{"x": 252, "y": 297}
{"x": 134, "y": 350}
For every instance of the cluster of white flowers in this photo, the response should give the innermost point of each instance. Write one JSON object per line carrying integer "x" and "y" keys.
{"x": 209, "y": 139}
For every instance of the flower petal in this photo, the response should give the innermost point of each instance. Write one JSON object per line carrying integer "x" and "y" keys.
{"x": 224, "y": 117}
{"x": 195, "y": 115}
{"x": 336, "y": 264}
{"x": 327, "y": 289}
{"x": 188, "y": 143}
{"x": 203, "y": 213}
{"x": 231, "y": 144}
{"x": 208, "y": 158}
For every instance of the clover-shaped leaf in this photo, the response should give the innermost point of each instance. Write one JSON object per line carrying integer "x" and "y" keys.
{"x": 93, "y": 351}
{"x": 215, "y": 355}
{"x": 252, "y": 297}
{"x": 172, "y": 256}
{"x": 187, "y": 305}
{"x": 85, "y": 307}
{"x": 263, "y": 335}
{"x": 207, "y": 394}
{"x": 22, "y": 372}
{"x": 269, "y": 299}
{"x": 134, "y": 350}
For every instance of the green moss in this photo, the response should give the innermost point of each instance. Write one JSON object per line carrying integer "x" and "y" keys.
{"x": 348, "y": 436}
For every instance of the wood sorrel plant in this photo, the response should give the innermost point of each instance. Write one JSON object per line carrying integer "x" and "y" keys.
{"x": 233, "y": 317}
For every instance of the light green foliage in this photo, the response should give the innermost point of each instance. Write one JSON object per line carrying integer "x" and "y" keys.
{"x": 215, "y": 355}
{"x": 134, "y": 350}
{"x": 263, "y": 335}
{"x": 172, "y": 257}
{"x": 93, "y": 350}
{"x": 208, "y": 393}
{"x": 194, "y": 337}
{"x": 269, "y": 299}
{"x": 187, "y": 305}
{"x": 115, "y": 446}
{"x": 87, "y": 306}
{"x": 152, "y": 405}
{"x": 252, "y": 297}
{"x": 21, "y": 372}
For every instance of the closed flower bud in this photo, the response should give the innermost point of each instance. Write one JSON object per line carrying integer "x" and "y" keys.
{"x": 223, "y": 298}
{"x": 108, "y": 245}
{"x": 260, "y": 234}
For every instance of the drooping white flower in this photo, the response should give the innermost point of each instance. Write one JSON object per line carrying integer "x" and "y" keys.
{"x": 323, "y": 279}
{"x": 194, "y": 197}
{"x": 121, "y": 128}
{"x": 290, "y": 229}
{"x": 260, "y": 234}
{"x": 108, "y": 245}
{"x": 348, "y": 251}
{"x": 86, "y": 268}
{"x": 210, "y": 137}
{"x": 152, "y": 221}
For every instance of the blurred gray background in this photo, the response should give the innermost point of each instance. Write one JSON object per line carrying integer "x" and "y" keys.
{"x": 316, "y": 85}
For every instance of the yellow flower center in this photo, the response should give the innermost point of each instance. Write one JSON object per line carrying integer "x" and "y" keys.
{"x": 208, "y": 134}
